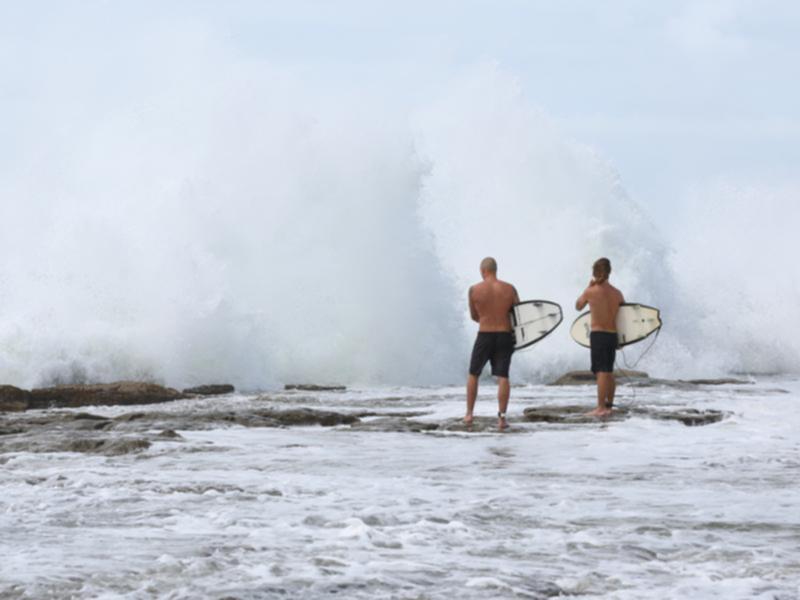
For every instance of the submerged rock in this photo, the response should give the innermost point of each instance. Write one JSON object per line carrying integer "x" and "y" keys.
{"x": 720, "y": 381}
{"x": 479, "y": 425}
{"x": 102, "y": 394}
{"x": 109, "y": 447}
{"x": 395, "y": 424}
{"x": 13, "y": 399}
{"x": 214, "y": 389}
{"x": 579, "y": 414}
{"x": 313, "y": 387}
{"x": 309, "y": 416}
{"x": 587, "y": 377}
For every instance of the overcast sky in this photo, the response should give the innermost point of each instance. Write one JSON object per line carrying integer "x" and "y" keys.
{"x": 675, "y": 94}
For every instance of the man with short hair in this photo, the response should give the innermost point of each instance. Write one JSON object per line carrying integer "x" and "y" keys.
{"x": 604, "y": 301}
{"x": 490, "y": 303}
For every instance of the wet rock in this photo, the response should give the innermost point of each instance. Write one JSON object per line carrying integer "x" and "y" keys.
{"x": 395, "y": 424}
{"x": 170, "y": 434}
{"x": 109, "y": 447}
{"x": 720, "y": 381}
{"x": 309, "y": 416}
{"x": 691, "y": 417}
{"x": 479, "y": 425}
{"x": 587, "y": 377}
{"x": 578, "y": 414}
{"x": 563, "y": 414}
{"x": 105, "y": 394}
{"x": 312, "y": 387}
{"x": 11, "y": 430}
{"x": 216, "y": 389}
{"x": 13, "y": 399}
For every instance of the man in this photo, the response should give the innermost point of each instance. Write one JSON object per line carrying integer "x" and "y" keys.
{"x": 490, "y": 303}
{"x": 604, "y": 301}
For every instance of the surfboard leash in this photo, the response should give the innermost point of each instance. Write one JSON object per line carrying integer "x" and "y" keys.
{"x": 642, "y": 355}
{"x": 638, "y": 360}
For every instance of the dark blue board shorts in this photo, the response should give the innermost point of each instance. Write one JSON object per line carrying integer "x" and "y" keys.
{"x": 604, "y": 351}
{"x": 495, "y": 347}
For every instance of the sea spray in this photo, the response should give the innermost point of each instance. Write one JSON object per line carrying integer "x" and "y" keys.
{"x": 216, "y": 218}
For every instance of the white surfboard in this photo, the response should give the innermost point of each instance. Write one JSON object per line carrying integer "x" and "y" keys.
{"x": 532, "y": 320}
{"x": 635, "y": 322}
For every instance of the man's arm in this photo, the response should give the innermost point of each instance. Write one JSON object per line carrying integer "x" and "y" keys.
{"x": 581, "y": 302}
{"x": 473, "y": 310}
{"x": 583, "y": 299}
{"x": 516, "y": 295}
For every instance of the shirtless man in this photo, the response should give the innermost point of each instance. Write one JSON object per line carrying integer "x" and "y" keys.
{"x": 489, "y": 305}
{"x": 604, "y": 301}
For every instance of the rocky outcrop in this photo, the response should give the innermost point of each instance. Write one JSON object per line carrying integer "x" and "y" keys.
{"x": 13, "y": 399}
{"x": 66, "y": 431}
{"x": 578, "y": 414}
{"x": 587, "y": 377}
{"x": 102, "y": 394}
{"x": 313, "y": 387}
{"x": 215, "y": 389}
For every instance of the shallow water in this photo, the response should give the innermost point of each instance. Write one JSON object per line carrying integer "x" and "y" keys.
{"x": 639, "y": 508}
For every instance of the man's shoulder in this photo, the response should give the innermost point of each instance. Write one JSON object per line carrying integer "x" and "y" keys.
{"x": 506, "y": 285}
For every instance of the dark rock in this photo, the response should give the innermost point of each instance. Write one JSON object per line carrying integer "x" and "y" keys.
{"x": 579, "y": 414}
{"x": 479, "y": 425}
{"x": 720, "y": 381}
{"x": 88, "y": 416}
{"x": 309, "y": 416}
{"x": 691, "y": 417}
{"x": 587, "y": 377}
{"x": 563, "y": 414}
{"x": 13, "y": 399}
{"x": 312, "y": 387}
{"x": 170, "y": 434}
{"x": 216, "y": 389}
{"x": 395, "y": 424}
{"x": 105, "y": 394}
{"x": 108, "y": 447}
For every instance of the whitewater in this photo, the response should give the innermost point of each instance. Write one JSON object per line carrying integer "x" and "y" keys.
{"x": 625, "y": 509}
{"x": 258, "y": 232}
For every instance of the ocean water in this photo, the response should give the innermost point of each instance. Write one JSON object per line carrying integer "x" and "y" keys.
{"x": 630, "y": 509}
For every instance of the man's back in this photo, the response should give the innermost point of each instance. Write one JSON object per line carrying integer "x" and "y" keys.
{"x": 491, "y": 301}
{"x": 604, "y": 301}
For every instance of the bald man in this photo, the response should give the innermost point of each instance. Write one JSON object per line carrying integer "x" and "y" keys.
{"x": 490, "y": 303}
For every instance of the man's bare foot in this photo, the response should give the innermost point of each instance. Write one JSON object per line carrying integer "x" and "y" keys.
{"x": 468, "y": 420}
{"x": 599, "y": 412}
{"x": 501, "y": 421}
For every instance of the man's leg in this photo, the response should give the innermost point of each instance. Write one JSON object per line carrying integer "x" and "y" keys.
{"x": 605, "y": 383}
{"x": 612, "y": 388}
{"x": 472, "y": 394}
{"x": 503, "y": 394}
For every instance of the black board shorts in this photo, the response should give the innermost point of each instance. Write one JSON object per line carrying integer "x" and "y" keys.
{"x": 495, "y": 347}
{"x": 604, "y": 351}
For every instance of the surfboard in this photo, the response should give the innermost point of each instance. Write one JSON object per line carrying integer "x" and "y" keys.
{"x": 635, "y": 322}
{"x": 532, "y": 320}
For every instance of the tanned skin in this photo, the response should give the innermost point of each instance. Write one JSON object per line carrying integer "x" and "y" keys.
{"x": 490, "y": 303}
{"x": 604, "y": 301}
